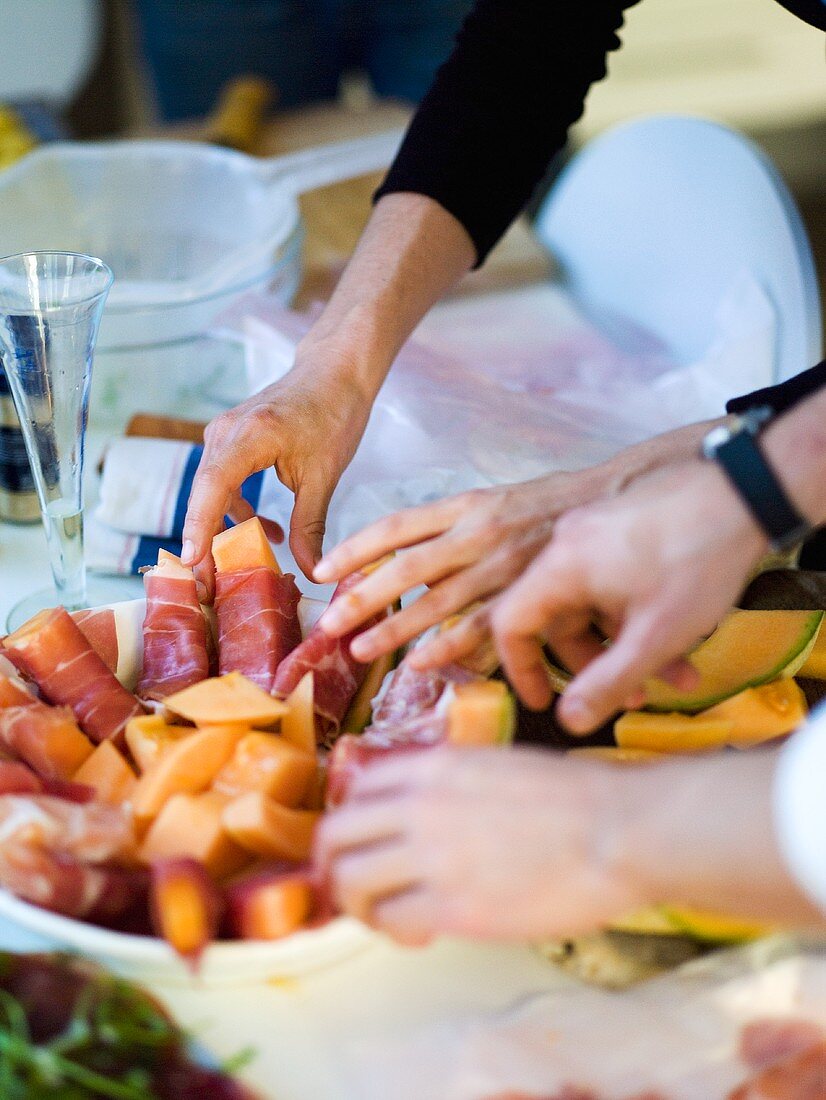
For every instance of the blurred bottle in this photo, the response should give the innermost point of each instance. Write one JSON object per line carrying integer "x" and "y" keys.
{"x": 18, "y": 499}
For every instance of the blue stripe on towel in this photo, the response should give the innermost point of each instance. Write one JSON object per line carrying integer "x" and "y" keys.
{"x": 147, "y": 551}
{"x": 184, "y": 490}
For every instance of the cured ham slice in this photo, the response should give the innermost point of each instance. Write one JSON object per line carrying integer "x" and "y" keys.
{"x": 53, "y": 652}
{"x": 337, "y": 675}
{"x": 98, "y": 627}
{"x": 89, "y": 831}
{"x": 65, "y": 885}
{"x": 18, "y": 778}
{"x": 174, "y": 631}
{"x": 258, "y": 625}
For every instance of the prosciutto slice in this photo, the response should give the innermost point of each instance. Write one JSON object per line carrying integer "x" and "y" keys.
{"x": 93, "y": 832}
{"x": 53, "y": 652}
{"x": 174, "y": 631}
{"x": 337, "y": 675}
{"x": 65, "y": 885}
{"x": 32, "y": 732}
{"x": 258, "y": 625}
{"x": 98, "y": 627}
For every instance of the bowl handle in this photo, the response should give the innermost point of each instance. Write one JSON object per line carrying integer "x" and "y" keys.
{"x": 308, "y": 169}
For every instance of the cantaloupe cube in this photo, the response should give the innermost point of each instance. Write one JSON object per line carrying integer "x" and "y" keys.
{"x": 267, "y": 828}
{"x": 13, "y": 695}
{"x": 298, "y": 724}
{"x": 187, "y": 767}
{"x": 185, "y": 905}
{"x": 244, "y": 546}
{"x": 270, "y": 905}
{"x": 481, "y": 713}
{"x": 191, "y": 825}
{"x": 149, "y": 736}
{"x": 222, "y": 700}
{"x": 108, "y": 774}
{"x": 266, "y": 762}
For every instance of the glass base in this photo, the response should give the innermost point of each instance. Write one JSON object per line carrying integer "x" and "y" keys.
{"x": 99, "y": 590}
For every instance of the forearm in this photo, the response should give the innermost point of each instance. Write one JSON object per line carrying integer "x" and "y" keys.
{"x": 410, "y": 254}
{"x": 702, "y": 834}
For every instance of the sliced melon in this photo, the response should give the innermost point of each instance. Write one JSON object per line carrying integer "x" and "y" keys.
{"x": 762, "y": 713}
{"x": 360, "y": 710}
{"x": 226, "y": 699}
{"x": 244, "y": 546}
{"x": 814, "y": 667}
{"x": 616, "y": 755}
{"x": 676, "y": 732}
{"x": 747, "y": 649}
{"x": 298, "y": 724}
{"x": 481, "y": 713}
{"x": 699, "y": 924}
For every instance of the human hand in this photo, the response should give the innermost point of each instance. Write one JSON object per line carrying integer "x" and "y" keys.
{"x": 466, "y": 548}
{"x": 307, "y": 425}
{"x": 654, "y": 569}
{"x": 509, "y": 845}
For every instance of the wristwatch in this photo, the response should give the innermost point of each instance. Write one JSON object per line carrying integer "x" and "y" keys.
{"x": 735, "y": 448}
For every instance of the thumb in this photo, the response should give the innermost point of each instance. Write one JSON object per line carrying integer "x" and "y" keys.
{"x": 312, "y": 498}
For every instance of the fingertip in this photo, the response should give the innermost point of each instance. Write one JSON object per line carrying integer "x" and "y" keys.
{"x": 323, "y": 571}
{"x": 576, "y": 714}
{"x": 188, "y": 553}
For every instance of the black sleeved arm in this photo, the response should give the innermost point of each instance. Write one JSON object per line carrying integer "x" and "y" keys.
{"x": 501, "y": 106}
{"x": 782, "y": 396}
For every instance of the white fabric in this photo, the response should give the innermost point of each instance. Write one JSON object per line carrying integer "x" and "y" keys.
{"x": 800, "y": 806}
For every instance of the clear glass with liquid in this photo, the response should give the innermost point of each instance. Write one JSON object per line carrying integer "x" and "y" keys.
{"x": 50, "y": 309}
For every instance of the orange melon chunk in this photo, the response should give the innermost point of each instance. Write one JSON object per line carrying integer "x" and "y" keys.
{"x": 298, "y": 724}
{"x": 814, "y": 667}
{"x": 185, "y": 905}
{"x": 107, "y": 772}
{"x": 13, "y": 695}
{"x": 267, "y": 763}
{"x": 266, "y": 828}
{"x": 191, "y": 825}
{"x": 480, "y": 713}
{"x": 244, "y": 546}
{"x": 50, "y": 741}
{"x": 269, "y": 906}
{"x": 187, "y": 767}
{"x": 762, "y": 713}
{"x": 747, "y": 649}
{"x": 149, "y": 736}
{"x": 671, "y": 732}
{"x": 226, "y": 699}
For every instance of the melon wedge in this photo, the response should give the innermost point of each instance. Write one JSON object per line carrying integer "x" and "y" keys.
{"x": 699, "y": 924}
{"x": 747, "y": 649}
{"x": 762, "y": 713}
{"x": 298, "y": 724}
{"x": 360, "y": 710}
{"x": 225, "y": 700}
{"x": 676, "y": 732}
{"x": 244, "y": 546}
{"x": 481, "y": 713}
{"x": 814, "y": 667}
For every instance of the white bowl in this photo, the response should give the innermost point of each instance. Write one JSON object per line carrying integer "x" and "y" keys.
{"x": 226, "y": 963}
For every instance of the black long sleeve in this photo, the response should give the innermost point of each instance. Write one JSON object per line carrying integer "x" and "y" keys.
{"x": 501, "y": 106}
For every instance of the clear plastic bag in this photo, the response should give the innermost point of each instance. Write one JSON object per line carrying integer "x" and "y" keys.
{"x": 510, "y": 385}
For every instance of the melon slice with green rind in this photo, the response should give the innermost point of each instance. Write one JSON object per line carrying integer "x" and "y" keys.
{"x": 747, "y": 649}
{"x": 814, "y": 667}
{"x": 480, "y": 713}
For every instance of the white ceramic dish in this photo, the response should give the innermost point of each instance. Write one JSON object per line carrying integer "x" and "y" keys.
{"x": 145, "y": 958}
{"x": 237, "y": 962}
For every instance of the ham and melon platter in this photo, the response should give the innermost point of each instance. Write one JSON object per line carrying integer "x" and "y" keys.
{"x": 164, "y": 765}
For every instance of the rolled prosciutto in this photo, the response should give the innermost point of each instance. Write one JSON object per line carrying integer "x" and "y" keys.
{"x": 46, "y": 738}
{"x": 258, "y": 625}
{"x": 63, "y": 884}
{"x": 93, "y": 832}
{"x": 337, "y": 675}
{"x": 175, "y": 652}
{"x": 51, "y": 650}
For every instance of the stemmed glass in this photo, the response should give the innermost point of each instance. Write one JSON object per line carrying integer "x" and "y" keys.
{"x": 50, "y": 309}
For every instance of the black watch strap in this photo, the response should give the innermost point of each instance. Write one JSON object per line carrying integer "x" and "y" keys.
{"x": 741, "y": 458}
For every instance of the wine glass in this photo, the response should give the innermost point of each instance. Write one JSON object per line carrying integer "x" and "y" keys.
{"x": 50, "y": 309}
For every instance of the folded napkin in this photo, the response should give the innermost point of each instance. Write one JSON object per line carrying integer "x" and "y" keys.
{"x": 144, "y": 492}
